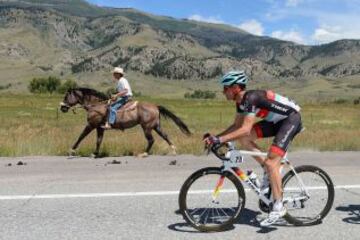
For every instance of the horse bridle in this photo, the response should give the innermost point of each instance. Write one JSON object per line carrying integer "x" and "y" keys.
{"x": 80, "y": 101}
{"x": 73, "y": 108}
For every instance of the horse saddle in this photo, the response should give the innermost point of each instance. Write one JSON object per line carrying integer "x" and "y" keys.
{"x": 129, "y": 106}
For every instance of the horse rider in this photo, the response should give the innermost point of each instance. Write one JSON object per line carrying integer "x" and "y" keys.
{"x": 123, "y": 94}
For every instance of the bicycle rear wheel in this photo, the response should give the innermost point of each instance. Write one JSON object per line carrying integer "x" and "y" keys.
{"x": 308, "y": 197}
{"x": 205, "y": 212}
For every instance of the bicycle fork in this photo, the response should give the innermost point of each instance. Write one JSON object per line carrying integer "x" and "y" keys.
{"x": 240, "y": 174}
{"x": 218, "y": 187}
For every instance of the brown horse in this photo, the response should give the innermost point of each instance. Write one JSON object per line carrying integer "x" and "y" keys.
{"x": 131, "y": 114}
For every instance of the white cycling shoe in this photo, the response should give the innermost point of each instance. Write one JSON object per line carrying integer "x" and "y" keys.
{"x": 273, "y": 217}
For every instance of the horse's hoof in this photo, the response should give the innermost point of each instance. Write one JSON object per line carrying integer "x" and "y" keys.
{"x": 72, "y": 153}
{"x": 173, "y": 152}
{"x": 143, "y": 155}
{"x": 93, "y": 155}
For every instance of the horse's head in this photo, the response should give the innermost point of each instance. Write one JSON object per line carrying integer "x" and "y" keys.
{"x": 72, "y": 97}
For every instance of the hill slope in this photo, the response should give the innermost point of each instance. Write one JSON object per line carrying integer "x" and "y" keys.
{"x": 74, "y": 38}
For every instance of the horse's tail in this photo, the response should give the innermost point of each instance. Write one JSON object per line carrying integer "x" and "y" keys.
{"x": 167, "y": 114}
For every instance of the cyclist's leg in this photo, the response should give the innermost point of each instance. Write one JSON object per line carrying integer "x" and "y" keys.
{"x": 248, "y": 143}
{"x": 288, "y": 128}
{"x": 272, "y": 164}
{"x": 261, "y": 129}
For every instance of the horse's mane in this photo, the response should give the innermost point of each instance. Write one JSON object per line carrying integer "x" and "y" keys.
{"x": 93, "y": 92}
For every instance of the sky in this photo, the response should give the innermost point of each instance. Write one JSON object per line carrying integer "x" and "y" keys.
{"x": 309, "y": 22}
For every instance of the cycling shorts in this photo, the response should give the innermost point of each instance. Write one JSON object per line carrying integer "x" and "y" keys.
{"x": 284, "y": 132}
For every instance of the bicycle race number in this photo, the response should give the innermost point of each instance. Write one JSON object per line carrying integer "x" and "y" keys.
{"x": 236, "y": 158}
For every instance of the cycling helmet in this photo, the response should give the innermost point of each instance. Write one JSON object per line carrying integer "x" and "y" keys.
{"x": 234, "y": 77}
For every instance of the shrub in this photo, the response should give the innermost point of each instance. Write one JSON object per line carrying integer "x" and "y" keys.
{"x": 44, "y": 85}
{"x": 357, "y": 101}
{"x": 199, "y": 94}
{"x": 340, "y": 101}
{"x": 68, "y": 84}
{"x": 7, "y": 86}
{"x": 50, "y": 85}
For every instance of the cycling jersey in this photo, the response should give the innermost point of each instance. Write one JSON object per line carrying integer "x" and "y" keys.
{"x": 281, "y": 117}
{"x": 268, "y": 105}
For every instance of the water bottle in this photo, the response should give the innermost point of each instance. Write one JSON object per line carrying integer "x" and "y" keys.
{"x": 253, "y": 178}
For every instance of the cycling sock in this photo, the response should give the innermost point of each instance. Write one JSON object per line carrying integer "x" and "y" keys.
{"x": 278, "y": 205}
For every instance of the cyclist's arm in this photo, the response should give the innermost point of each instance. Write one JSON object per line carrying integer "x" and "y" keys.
{"x": 239, "y": 118}
{"x": 244, "y": 130}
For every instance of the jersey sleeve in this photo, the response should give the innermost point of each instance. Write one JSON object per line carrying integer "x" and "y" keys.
{"x": 247, "y": 106}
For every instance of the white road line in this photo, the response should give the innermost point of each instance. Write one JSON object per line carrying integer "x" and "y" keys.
{"x": 134, "y": 194}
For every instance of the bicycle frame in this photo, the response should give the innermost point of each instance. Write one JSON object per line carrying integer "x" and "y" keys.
{"x": 235, "y": 158}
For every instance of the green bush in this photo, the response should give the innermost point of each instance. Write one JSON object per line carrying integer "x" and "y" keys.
{"x": 357, "y": 101}
{"x": 68, "y": 84}
{"x": 340, "y": 101}
{"x": 199, "y": 94}
{"x": 44, "y": 85}
{"x": 7, "y": 86}
{"x": 50, "y": 85}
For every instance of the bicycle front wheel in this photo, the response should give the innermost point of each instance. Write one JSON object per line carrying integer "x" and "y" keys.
{"x": 211, "y": 200}
{"x": 308, "y": 195}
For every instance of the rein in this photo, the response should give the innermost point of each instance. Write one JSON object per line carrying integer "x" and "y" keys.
{"x": 74, "y": 108}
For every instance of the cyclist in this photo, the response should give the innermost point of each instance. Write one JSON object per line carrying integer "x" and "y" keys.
{"x": 281, "y": 119}
{"x": 119, "y": 99}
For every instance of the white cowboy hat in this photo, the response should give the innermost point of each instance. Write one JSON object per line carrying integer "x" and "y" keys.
{"x": 118, "y": 70}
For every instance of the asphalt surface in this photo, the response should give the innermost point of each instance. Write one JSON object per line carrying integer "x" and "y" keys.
{"x": 131, "y": 198}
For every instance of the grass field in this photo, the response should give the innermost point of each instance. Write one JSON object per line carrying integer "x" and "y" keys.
{"x": 31, "y": 125}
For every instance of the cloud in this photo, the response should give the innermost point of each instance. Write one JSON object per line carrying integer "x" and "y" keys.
{"x": 292, "y": 3}
{"x": 252, "y": 26}
{"x": 210, "y": 19}
{"x": 326, "y": 34}
{"x": 334, "y": 27}
{"x": 292, "y": 36}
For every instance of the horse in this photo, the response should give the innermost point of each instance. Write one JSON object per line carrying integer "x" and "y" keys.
{"x": 129, "y": 115}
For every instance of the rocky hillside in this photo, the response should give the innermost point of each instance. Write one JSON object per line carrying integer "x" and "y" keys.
{"x": 74, "y": 37}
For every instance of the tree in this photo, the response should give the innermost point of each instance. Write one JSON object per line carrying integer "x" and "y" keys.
{"x": 44, "y": 85}
{"x": 68, "y": 84}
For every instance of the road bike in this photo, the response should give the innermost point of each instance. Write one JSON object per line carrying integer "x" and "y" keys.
{"x": 213, "y": 198}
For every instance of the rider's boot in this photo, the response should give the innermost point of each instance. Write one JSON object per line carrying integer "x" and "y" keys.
{"x": 106, "y": 126}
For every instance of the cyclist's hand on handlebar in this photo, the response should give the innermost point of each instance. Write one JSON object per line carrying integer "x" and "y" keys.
{"x": 212, "y": 140}
{"x": 206, "y": 135}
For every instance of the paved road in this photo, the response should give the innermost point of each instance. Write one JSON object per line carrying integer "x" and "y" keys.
{"x": 83, "y": 198}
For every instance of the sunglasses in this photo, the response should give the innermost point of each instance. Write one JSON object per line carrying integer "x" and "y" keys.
{"x": 226, "y": 88}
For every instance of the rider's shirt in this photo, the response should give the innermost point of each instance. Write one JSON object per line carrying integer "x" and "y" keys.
{"x": 268, "y": 105}
{"x": 122, "y": 85}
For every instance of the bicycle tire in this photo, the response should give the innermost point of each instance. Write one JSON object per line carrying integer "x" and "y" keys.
{"x": 184, "y": 194}
{"x": 330, "y": 193}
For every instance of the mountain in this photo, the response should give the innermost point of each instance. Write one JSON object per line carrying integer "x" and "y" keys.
{"x": 73, "y": 38}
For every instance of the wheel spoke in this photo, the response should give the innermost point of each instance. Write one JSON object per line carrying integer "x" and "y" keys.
{"x": 201, "y": 211}
{"x": 311, "y": 205}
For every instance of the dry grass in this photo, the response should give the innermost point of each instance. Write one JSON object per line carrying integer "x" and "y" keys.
{"x": 30, "y": 125}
